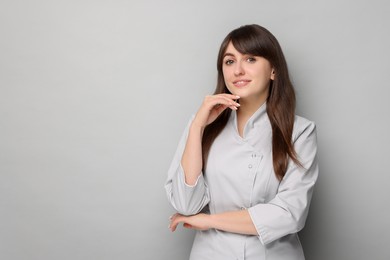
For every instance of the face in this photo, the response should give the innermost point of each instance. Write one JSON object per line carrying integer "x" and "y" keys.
{"x": 246, "y": 75}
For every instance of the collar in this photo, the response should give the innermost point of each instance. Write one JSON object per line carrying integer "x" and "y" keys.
{"x": 258, "y": 118}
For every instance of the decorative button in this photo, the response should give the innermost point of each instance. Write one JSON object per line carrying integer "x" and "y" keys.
{"x": 250, "y": 166}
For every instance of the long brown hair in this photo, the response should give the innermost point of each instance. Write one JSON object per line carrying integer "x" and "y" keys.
{"x": 258, "y": 41}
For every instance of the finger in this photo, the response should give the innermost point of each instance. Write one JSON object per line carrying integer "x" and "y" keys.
{"x": 173, "y": 226}
{"x": 176, "y": 219}
{"x": 173, "y": 216}
{"x": 223, "y": 101}
{"x": 172, "y": 222}
{"x": 231, "y": 99}
{"x": 230, "y": 96}
{"x": 219, "y": 108}
{"x": 223, "y": 107}
{"x": 227, "y": 97}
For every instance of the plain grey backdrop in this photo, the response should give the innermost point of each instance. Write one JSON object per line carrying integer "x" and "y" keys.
{"x": 94, "y": 96}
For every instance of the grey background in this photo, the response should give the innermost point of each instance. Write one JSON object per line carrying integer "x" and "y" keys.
{"x": 94, "y": 96}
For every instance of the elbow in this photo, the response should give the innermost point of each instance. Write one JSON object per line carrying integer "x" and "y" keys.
{"x": 187, "y": 205}
{"x": 187, "y": 208}
{"x": 298, "y": 226}
{"x": 187, "y": 212}
{"x": 298, "y": 223}
{"x": 188, "y": 200}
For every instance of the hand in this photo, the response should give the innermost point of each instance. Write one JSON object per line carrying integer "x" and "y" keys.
{"x": 198, "y": 221}
{"x": 213, "y": 106}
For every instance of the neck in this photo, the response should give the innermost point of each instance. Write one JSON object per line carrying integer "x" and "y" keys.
{"x": 249, "y": 107}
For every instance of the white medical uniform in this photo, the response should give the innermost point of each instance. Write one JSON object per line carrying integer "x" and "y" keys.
{"x": 239, "y": 175}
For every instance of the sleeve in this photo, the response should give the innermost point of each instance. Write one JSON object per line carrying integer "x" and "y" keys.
{"x": 186, "y": 199}
{"x": 286, "y": 213}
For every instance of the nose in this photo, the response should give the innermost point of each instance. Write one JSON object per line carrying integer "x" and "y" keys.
{"x": 238, "y": 69}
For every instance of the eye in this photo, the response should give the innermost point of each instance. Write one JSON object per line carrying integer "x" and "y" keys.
{"x": 251, "y": 59}
{"x": 229, "y": 62}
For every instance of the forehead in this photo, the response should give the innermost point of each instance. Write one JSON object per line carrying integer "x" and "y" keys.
{"x": 231, "y": 50}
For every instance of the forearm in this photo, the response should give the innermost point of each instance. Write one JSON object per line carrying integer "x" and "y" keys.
{"x": 192, "y": 161}
{"x": 233, "y": 221}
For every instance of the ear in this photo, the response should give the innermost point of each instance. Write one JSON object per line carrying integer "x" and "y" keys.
{"x": 273, "y": 74}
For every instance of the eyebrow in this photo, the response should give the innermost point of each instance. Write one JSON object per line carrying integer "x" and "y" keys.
{"x": 228, "y": 54}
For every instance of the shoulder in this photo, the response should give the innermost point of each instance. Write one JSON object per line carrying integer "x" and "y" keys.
{"x": 303, "y": 126}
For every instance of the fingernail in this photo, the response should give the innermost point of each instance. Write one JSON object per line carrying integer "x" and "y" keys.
{"x": 237, "y": 96}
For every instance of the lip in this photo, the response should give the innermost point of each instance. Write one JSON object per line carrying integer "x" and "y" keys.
{"x": 241, "y": 82}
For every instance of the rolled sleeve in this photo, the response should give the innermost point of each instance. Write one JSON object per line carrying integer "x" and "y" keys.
{"x": 186, "y": 199}
{"x": 286, "y": 213}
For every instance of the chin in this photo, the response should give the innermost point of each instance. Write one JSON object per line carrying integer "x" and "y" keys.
{"x": 240, "y": 92}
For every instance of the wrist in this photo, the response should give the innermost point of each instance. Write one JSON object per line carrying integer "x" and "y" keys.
{"x": 211, "y": 221}
{"x": 195, "y": 127}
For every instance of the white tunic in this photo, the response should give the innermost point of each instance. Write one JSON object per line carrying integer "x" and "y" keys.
{"x": 239, "y": 175}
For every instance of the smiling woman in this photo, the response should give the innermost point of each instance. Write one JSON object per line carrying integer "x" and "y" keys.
{"x": 248, "y": 77}
{"x": 236, "y": 177}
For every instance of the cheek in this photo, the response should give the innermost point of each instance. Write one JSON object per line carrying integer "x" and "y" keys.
{"x": 226, "y": 79}
{"x": 263, "y": 73}
{"x": 225, "y": 73}
{"x": 227, "y": 70}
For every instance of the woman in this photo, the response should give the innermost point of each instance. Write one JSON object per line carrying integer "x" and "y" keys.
{"x": 245, "y": 168}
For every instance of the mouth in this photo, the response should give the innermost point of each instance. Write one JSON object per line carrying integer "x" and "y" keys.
{"x": 241, "y": 82}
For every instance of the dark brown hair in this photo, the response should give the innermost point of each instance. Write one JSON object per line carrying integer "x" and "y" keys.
{"x": 258, "y": 41}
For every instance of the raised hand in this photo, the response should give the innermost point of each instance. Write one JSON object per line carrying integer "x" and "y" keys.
{"x": 213, "y": 106}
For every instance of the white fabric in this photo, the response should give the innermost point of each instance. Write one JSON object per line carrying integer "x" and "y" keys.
{"x": 239, "y": 175}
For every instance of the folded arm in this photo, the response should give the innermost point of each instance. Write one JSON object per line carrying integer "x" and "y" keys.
{"x": 232, "y": 221}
